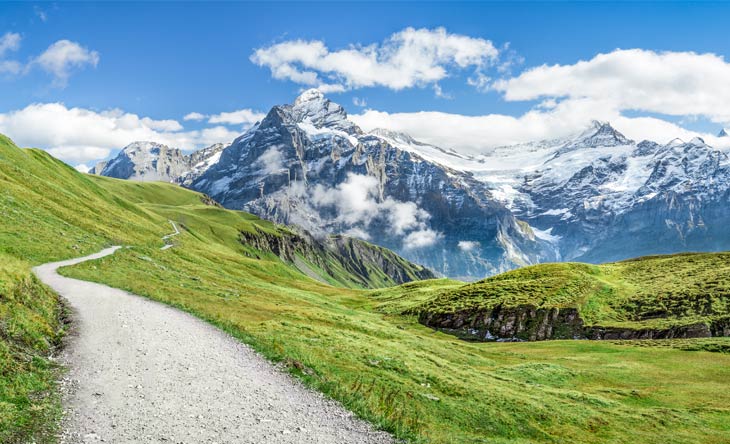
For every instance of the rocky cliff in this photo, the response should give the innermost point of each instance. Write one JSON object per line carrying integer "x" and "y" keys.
{"x": 338, "y": 259}
{"x": 656, "y": 297}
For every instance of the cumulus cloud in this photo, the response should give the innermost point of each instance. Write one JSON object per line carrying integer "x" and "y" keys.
{"x": 240, "y": 117}
{"x": 271, "y": 160}
{"x": 162, "y": 125}
{"x": 607, "y": 87}
{"x": 357, "y": 233}
{"x": 354, "y": 199}
{"x": 63, "y": 57}
{"x": 357, "y": 203}
{"x": 10, "y": 67}
{"x": 420, "y": 239}
{"x": 672, "y": 83}
{"x": 82, "y": 168}
{"x": 409, "y": 58}
{"x": 404, "y": 216}
{"x": 80, "y": 135}
{"x": 10, "y": 41}
{"x": 477, "y": 134}
{"x": 468, "y": 245}
{"x": 194, "y": 116}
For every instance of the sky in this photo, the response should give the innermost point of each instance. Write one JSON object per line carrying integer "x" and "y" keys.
{"x": 82, "y": 80}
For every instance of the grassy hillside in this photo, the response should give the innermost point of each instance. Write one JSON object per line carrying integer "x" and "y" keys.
{"x": 358, "y": 347}
{"x": 48, "y": 211}
{"x": 657, "y": 292}
{"x": 29, "y": 325}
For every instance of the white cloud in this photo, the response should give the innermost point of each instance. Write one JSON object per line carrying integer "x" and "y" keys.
{"x": 357, "y": 204}
{"x": 10, "y": 67}
{"x": 80, "y": 135}
{"x": 671, "y": 83}
{"x": 468, "y": 245}
{"x": 211, "y": 135}
{"x": 63, "y": 57}
{"x": 409, "y": 58}
{"x": 480, "y": 81}
{"x": 240, "y": 117}
{"x": 194, "y": 116}
{"x": 82, "y": 168}
{"x": 476, "y": 134}
{"x": 420, "y": 239}
{"x": 162, "y": 125}
{"x": 358, "y": 233}
{"x": 271, "y": 160}
{"x": 404, "y": 216}
{"x": 357, "y": 101}
{"x": 682, "y": 84}
{"x": 354, "y": 199}
{"x": 10, "y": 41}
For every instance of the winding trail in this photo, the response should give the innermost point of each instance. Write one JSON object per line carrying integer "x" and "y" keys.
{"x": 168, "y": 244}
{"x": 144, "y": 372}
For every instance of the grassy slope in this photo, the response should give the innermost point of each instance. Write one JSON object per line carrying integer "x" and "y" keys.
{"x": 28, "y": 327}
{"x": 650, "y": 292}
{"x": 354, "y": 346}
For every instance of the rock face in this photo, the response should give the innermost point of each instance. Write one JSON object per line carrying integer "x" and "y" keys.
{"x": 528, "y": 323}
{"x": 365, "y": 265}
{"x": 98, "y": 168}
{"x": 198, "y": 163}
{"x": 150, "y": 161}
{"x": 306, "y": 164}
{"x": 522, "y": 323}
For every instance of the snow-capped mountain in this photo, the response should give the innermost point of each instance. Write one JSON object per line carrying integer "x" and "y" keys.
{"x": 199, "y": 161}
{"x": 307, "y": 164}
{"x": 150, "y": 161}
{"x": 632, "y": 200}
{"x": 596, "y": 196}
{"x": 600, "y": 196}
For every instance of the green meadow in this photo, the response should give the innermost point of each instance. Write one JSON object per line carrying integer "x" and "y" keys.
{"x": 358, "y": 346}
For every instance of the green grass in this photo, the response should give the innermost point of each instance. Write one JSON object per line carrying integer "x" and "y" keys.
{"x": 429, "y": 386}
{"x": 29, "y": 328}
{"x": 650, "y": 292}
{"x": 357, "y": 346}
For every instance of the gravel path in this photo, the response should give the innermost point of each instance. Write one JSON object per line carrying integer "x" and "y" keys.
{"x": 143, "y": 372}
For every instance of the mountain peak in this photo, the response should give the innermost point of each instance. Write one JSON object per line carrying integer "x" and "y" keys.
{"x": 143, "y": 146}
{"x": 394, "y": 135}
{"x": 313, "y": 107}
{"x": 310, "y": 95}
{"x": 598, "y": 134}
{"x": 723, "y": 133}
{"x": 603, "y": 134}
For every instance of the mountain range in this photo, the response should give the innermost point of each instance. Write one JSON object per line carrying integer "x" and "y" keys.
{"x": 596, "y": 196}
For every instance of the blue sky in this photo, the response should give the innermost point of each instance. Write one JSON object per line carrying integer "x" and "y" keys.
{"x": 163, "y": 61}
